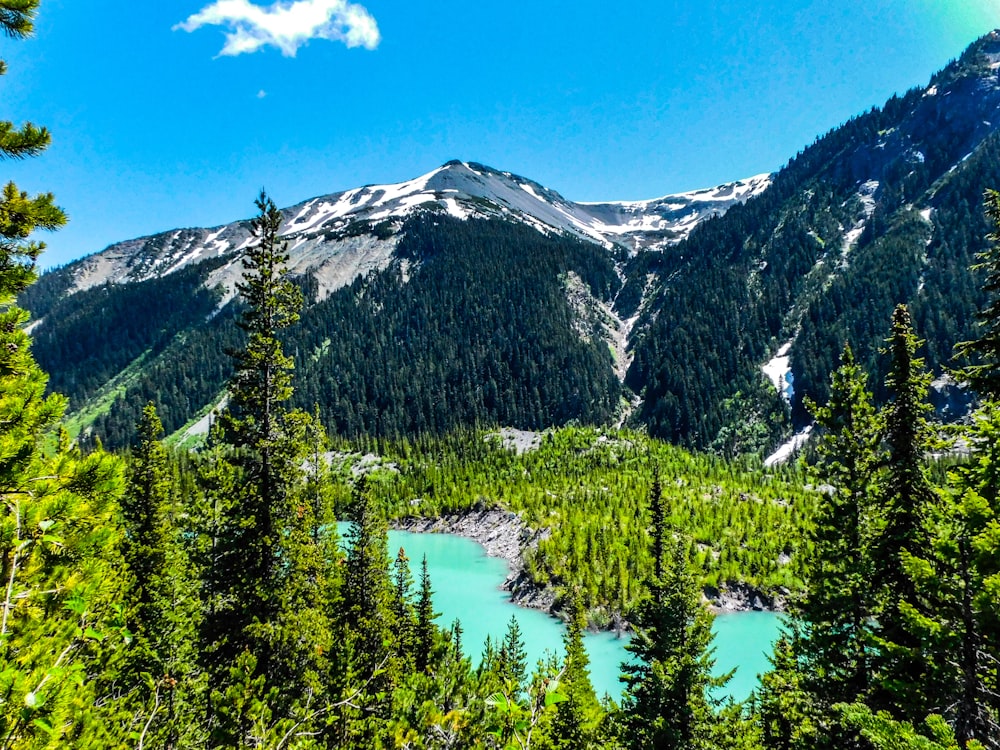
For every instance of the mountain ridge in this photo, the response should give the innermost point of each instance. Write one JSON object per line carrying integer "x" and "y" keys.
{"x": 720, "y": 310}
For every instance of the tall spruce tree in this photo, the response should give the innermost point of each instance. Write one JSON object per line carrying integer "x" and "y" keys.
{"x": 426, "y": 630}
{"x": 372, "y": 658}
{"x": 666, "y": 703}
{"x": 402, "y": 605}
{"x": 905, "y": 499}
{"x": 575, "y": 721}
{"x": 512, "y": 659}
{"x": 162, "y": 598}
{"x": 268, "y": 577}
{"x": 836, "y": 611}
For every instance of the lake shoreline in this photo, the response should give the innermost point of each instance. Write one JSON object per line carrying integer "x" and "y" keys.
{"x": 503, "y": 534}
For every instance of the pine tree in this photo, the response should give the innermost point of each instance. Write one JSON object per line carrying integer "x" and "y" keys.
{"x": 21, "y": 214}
{"x": 59, "y": 558}
{"x": 164, "y": 608}
{"x": 905, "y": 498}
{"x": 836, "y": 611}
{"x": 782, "y": 705}
{"x": 255, "y": 427}
{"x": 402, "y": 584}
{"x": 372, "y": 658}
{"x": 512, "y": 659}
{"x": 146, "y": 510}
{"x": 426, "y": 631}
{"x": 576, "y": 718}
{"x": 666, "y": 701}
{"x": 268, "y": 579}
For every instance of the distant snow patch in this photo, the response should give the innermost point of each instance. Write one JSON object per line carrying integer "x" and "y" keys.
{"x": 454, "y": 209}
{"x": 788, "y": 450}
{"x": 778, "y": 371}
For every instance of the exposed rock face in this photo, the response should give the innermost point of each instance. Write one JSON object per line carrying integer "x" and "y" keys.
{"x": 503, "y": 534}
{"x": 741, "y": 597}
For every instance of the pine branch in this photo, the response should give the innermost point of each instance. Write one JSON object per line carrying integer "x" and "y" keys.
{"x": 20, "y": 143}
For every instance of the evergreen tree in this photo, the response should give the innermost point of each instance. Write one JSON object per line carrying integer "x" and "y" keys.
{"x": 782, "y": 705}
{"x": 271, "y": 594}
{"x": 255, "y": 427}
{"x": 59, "y": 559}
{"x": 666, "y": 700}
{"x": 512, "y": 659}
{"x": 959, "y": 574}
{"x": 21, "y": 214}
{"x": 372, "y": 659}
{"x": 426, "y": 631}
{"x": 146, "y": 510}
{"x": 836, "y": 611}
{"x": 163, "y": 604}
{"x": 576, "y": 718}
{"x": 905, "y": 498}
{"x": 402, "y": 583}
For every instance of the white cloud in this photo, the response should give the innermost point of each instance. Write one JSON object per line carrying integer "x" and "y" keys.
{"x": 261, "y": 94}
{"x": 286, "y": 25}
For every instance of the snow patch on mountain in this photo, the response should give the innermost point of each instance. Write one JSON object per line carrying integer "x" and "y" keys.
{"x": 778, "y": 370}
{"x": 338, "y": 236}
{"x": 787, "y": 450}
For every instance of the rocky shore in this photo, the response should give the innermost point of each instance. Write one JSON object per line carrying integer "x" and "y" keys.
{"x": 504, "y": 534}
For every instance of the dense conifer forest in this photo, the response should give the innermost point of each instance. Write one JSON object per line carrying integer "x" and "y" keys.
{"x": 159, "y": 598}
{"x": 488, "y": 321}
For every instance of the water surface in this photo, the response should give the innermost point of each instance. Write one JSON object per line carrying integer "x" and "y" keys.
{"x": 466, "y": 587}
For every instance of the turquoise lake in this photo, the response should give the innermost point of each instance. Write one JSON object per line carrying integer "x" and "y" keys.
{"x": 466, "y": 587}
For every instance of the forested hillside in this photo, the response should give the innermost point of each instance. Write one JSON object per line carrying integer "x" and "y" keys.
{"x": 425, "y": 312}
{"x": 882, "y": 210}
{"x": 472, "y": 323}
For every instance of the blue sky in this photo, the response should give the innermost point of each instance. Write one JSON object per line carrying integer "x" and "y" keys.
{"x": 158, "y": 123}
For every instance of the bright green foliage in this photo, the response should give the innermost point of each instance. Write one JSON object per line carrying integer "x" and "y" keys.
{"x": 516, "y": 718}
{"x": 21, "y": 214}
{"x": 588, "y": 488}
{"x": 887, "y": 734}
{"x": 246, "y": 716}
{"x": 163, "y": 607}
{"x": 835, "y": 612}
{"x": 666, "y": 702}
{"x": 59, "y": 565}
{"x": 905, "y": 499}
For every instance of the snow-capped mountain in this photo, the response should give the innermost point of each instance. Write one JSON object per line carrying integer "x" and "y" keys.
{"x": 336, "y": 237}
{"x": 424, "y": 309}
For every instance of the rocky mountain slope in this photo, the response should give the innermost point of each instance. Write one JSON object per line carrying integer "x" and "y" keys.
{"x": 474, "y": 295}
